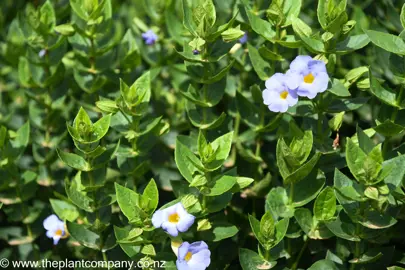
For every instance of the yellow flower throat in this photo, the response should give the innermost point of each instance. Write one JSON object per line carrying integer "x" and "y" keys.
{"x": 309, "y": 78}
{"x": 174, "y": 218}
{"x": 284, "y": 94}
{"x": 188, "y": 256}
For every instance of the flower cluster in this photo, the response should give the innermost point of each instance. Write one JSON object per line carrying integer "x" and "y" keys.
{"x": 175, "y": 219}
{"x": 305, "y": 78}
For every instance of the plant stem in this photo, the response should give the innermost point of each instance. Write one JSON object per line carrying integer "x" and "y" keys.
{"x": 356, "y": 249}
{"x": 105, "y": 256}
{"x": 295, "y": 265}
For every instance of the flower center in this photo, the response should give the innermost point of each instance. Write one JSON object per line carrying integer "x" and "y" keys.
{"x": 284, "y": 94}
{"x": 59, "y": 232}
{"x": 174, "y": 218}
{"x": 188, "y": 256}
{"x": 309, "y": 78}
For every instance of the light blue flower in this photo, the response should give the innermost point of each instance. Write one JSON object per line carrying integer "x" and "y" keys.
{"x": 194, "y": 256}
{"x": 244, "y": 38}
{"x": 55, "y": 228}
{"x": 149, "y": 37}
{"x": 280, "y": 93}
{"x": 42, "y": 53}
{"x": 314, "y": 77}
{"x": 173, "y": 219}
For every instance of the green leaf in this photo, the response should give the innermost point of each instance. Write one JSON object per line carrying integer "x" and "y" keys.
{"x": 322, "y": 13}
{"x": 281, "y": 230}
{"x": 365, "y": 142}
{"x": 84, "y": 236}
{"x": 127, "y": 200}
{"x": 255, "y": 225}
{"x": 336, "y": 122}
{"x": 352, "y": 43}
{"x": 325, "y": 205}
{"x": 387, "y": 41}
{"x": 402, "y": 16}
{"x": 221, "y": 185}
{"x": 270, "y": 55}
{"x": 241, "y": 183}
{"x": 139, "y": 92}
{"x": 223, "y": 145}
{"x": 107, "y": 106}
{"x": 260, "y": 26}
{"x": 386, "y": 95}
{"x": 278, "y": 202}
{"x": 64, "y": 210}
{"x": 65, "y": 29}
{"x": 301, "y": 145}
{"x": 251, "y": 260}
{"x": 183, "y": 157}
{"x": 196, "y": 116}
{"x": 302, "y": 171}
{"x": 100, "y": 128}
{"x": 75, "y": 161}
{"x": 150, "y": 197}
{"x": 323, "y": 264}
{"x": 307, "y": 189}
{"x": 267, "y": 226}
{"x": 343, "y": 227}
{"x": 232, "y": 34}
{"x": 339, "y": 89}
{"x": 148, "y": 249}
{"x": 368, "y": 257}
{"x": 355, "y": 158}
{"x": 388, "y": 128}
{"x": 130, "y": 249}
{"x": 78, "y": 197}
{"x": 188, "y": 21}
{"x": 301, "y": 28}
{"x": 219, "y": 231}
{"x": 48, "y": 15}
{"x": 304, "y": 219}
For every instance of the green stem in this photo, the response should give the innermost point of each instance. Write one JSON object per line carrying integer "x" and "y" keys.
{"x": 356, "y": 248}
{"x": 295, "y": 265}
{"x": 267, "y": 255}
{"x": 291, "y": 195}
{"x": 126, "y": 117}
{"x": 105, "y": 256}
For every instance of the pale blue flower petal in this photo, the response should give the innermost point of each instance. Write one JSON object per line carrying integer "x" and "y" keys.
{"x": 50, "y": 234}
{"x": 158, "y": 218}
{"x": 182, "y": 265}
{"x": 293, "y": 79}
{"x": 292, "y": 98}
{"x": 316, "y": 66}
{"x": 56, "y": 239}
{"x": 51, "y": 223}
{"x": 280, "y": 106}
{"x": 197, "y": 246}
{"x": 200, "y": 260}
{"x": 149, "y": 37}
{"x": 183, "y": 249}
{"x": 319, "y": 85}
{"x": 270, "y": 96}
{"x": 244, "y": 38}
{"x": 185, "y": 222}
{"x": 170, "y": 228}
{"x": 300, "y": 64}
{"x": 276, "y": 82}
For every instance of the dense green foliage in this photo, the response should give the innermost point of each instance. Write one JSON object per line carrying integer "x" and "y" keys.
{"x": 113, "y": 109}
